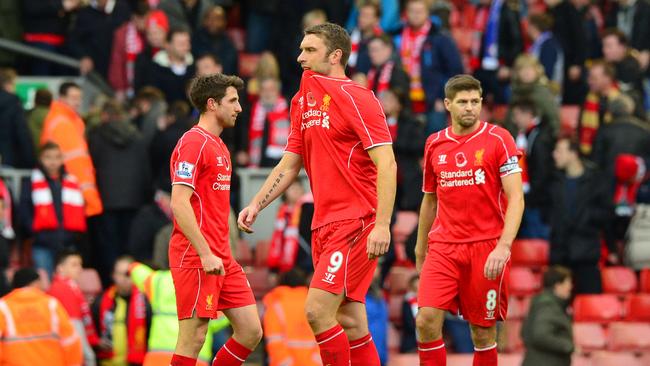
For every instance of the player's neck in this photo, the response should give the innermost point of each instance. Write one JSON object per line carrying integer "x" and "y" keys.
{"x": 460, "y": 130}
{"x": 337, "y": 72}
{"x": 210, "y": 124}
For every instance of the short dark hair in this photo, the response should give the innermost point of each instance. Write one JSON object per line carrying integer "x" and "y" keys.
{"x": 525, "y": 105}
{"x": 141, "y": 8}
{"x": 608, "y": 69}
{"x": 615, "y": 32}
{"x": 555, "y": 275}
{"x": 176, "y": 30}
{"x": 214, "y": 86}
{"x": 543, "y": 22}
{"x": 334, "y": 37}
{"x": 64, "y": 254}
{"x": 383, "y": 38}
{"x": 374, "y": 4}
{"x": 150, "y": 94}
{"x": 66, "y": 86}
{"x": 210, "y": 55}
{"x": 7, "y": 75}
{"x": 459, "y": 83}
{"x": 43, "y": 97}
{"x": 574, "y": 144}
{"x": 24, "y": 277}
{"x": 49, "y": 145}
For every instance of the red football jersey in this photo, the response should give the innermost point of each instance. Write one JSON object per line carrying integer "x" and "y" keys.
{"x": 333, "y": 123}
{"x": 202, "y": 162}
{"x": 465, "y": 173}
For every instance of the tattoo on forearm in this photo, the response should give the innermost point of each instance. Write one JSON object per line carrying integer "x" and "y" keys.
{"x": 275, "y": 185}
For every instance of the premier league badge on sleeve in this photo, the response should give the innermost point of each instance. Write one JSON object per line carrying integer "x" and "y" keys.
{"x": 184, "y": 170}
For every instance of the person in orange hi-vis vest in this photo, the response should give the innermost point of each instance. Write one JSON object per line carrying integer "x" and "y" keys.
{"x": 64, "y": 126}
{"x": 289, "y": 339}
{"x": 34, "y": 327}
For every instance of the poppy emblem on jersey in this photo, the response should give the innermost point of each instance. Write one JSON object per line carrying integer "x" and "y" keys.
{"x": 442, "y": 159}
{"x": 326, "y": 103}
{"x": 478, "y": 157}
{"x": 311, "y": 101}
{"x": 208, "y": 302}
{"x": 184, "y": 170}
{"x": 461, "y": 160}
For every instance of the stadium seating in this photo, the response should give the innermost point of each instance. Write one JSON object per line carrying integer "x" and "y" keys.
{"x": 523, "y": 281}
{"x": 619, "y": 280}
{"x": 614, "y": 359}
{"x": 518, "y": 307}
{"x": 90, "y": 284}
{"x": 531, "y": 253}
{"x": 589, "y": 336}
{"x": 259, "y": 280}
{"x": 637, "y": 308}
{"x": 597, "y": 308}
{"x": 645, "y": 280}
{"x": 510, "y": 340}
{"x": 244, "y": 253}
{"x": 398, "y": 279}
{"x": 261, "y": 252}
{"x": 580, "y": 360}
{"x": 627, "y": 336}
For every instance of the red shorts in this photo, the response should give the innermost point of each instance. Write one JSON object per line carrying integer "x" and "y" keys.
{"x": 341, "y": 263}
{"x": 452, "y": 279}
{"x": 206, "y": 294}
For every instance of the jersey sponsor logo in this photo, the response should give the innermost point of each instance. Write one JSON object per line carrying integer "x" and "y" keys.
{"x": 184, "y": 170}
{"x": 462, "y": 178}
{"x": 315, "y": 117}
{"x": 478, "y": 157}
{"x": 442, "y": 159}
{"x": 222, "y": 183}
{"x": 326, "y": 103}
{"x": 461, "y": 160}
{"x": 511, "y": 165}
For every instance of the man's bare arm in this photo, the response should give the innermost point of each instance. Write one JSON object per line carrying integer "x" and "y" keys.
{"x": 379, "y": 238}
{"x": 427, "y": 216}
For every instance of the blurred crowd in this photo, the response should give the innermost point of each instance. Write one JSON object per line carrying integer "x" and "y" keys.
{"x": 569, "y": 78}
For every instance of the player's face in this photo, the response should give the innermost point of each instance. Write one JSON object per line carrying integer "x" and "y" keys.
{"x": 465, "y": 108}
{"x": 228, "y": 108}
{"x": 314, "y": 55}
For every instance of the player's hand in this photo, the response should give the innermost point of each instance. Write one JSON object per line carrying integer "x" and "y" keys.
{"x": 246, "y": 218}
{"x": 496, "y": 262}
{"x": 378, "y": 241}
{"x": 212, "y": 265}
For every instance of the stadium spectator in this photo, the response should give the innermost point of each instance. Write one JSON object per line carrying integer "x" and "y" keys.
{"x": 285, "y": 243}
{"x": 430, "y": 57}
{"x": 289, "y": 340}
{"x": 377, "y": 312}
{"x": 148, "y": 109}
{"x": 408, "y": 342}
{"x": 535, "y": 140}
{"x": 547, "y": 331}
{"x": 207, "y": 64}
{"x": 65, "y": 289}
{"x": 121, "y": 158}
{"x": 546, "y": 48}
{"x": 185, "y": 13}
{"x": 501, "y": 43}
{"x": 52, "y": 219}
{"x": 385, "y": 71}
{"x": 389, "y": 19}
{"x": 211, "y": 37}
{"x": 173, "y": 67}
{"x": 595, "y": 111}
{"x": 91, "y": 35}
{"x": 267, "y": 68}
{"x": 156, "y": 40}
{"x": 35, "y": 328}
{"x": 171, "y": 127}
{"x": 268, "y": 125}
{"x": 580, "y": 208}
{"x": 629, "y": 74}
{"x": 36, "y": 116}
{"x": 64, "y": 126}
{"x": 16, "y": 148}
{"x": 529, "y": 83}
{"x": 569, "y": 27}
{"x": 123, "y": 316}
{"x": 367, "y": 28}
{"x": 128, "y": 42}
{"x": 631, "y": 18}
{"x": 45, "y": 25}
{"x": 146, "y": 225}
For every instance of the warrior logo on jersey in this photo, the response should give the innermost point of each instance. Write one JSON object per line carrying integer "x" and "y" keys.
{"x": 478, "y": 157}
{"x": 185, "y": 170}
{"x": 442, "y": 159}
{"x": 461, "y": 160}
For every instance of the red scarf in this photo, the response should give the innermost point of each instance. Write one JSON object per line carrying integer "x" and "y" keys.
{"x": 133, "y": 47}
{"x": 385, "y": 74}
{"x": 411, "y": 50}
{"x": 86, "y": 316}
{"x": 277, "y": 132}
{"x": 136, "y": 324}
{"x": 74, "y": 218}
{"x": 5, "y": 215}
{"x": 285, "y": 240}
{"x": 590, "y": 120}
{"x": 356, "y": 37}
{"x": 480, "y": 22}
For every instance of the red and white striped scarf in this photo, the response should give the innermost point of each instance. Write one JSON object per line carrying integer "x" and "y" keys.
{"x": 133, "y": 47}
{"x": 385, "y": 73}
{"x": 355, "y": 38}
{"x": 256, "y": 129}
{"x": 411, "y": 51}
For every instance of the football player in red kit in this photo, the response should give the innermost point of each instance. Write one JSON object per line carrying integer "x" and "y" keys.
{"x": 339, "y": 134}
{"x": 470, "y": 214}
{"x": 206, "y": 277}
